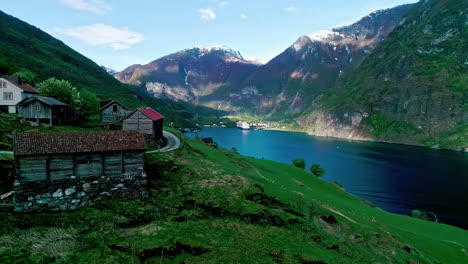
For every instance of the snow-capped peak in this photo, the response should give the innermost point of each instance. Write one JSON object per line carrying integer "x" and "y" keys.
{"x": 323, "y": 35}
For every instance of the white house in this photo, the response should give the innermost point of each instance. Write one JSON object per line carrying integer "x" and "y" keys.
{"x": 12, "y": 91}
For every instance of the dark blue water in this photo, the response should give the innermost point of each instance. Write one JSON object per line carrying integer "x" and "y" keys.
{"x": 396, "y": 178}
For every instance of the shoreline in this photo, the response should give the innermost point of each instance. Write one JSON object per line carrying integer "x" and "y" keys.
{"x": 348, "y": 139}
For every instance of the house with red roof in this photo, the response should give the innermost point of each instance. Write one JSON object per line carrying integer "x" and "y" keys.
{"x": 12, "y": 91}
{"x": 149, "y": 122}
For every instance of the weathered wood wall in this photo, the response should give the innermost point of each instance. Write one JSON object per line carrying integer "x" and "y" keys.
{"x": 29, "y": 110}
{"x": 88, "y": 165}
{"x": 138, "y": 121}
{"x": 108, "y": 115}
{"x": 133, "y": 162}
{"x": 33, "y": 169}
{"x": 60, "y": 167}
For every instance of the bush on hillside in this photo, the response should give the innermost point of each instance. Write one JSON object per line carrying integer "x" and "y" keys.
{"x": 300, "y": 163}
{"x": 420, "y": 215}
{"x": 317, "y": 170}
{"x": 82, "y": 103}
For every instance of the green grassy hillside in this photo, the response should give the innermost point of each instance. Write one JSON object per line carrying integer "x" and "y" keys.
{"x": 25, "y": 47}
{"x": 211, "y": 205}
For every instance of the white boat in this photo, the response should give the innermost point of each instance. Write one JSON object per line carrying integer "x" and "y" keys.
{"x": 243, "y": 125}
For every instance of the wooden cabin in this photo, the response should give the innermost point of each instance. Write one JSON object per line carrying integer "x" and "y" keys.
{"x": 149, "y": 122}
{"x": 43, "y": 110}
{"x": 65, "y": 170}
{"x": 113, "y": 111}
{"x": 61, "y": 155}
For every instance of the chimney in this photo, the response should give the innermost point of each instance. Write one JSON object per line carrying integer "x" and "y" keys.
{"x": 20, "y": 80}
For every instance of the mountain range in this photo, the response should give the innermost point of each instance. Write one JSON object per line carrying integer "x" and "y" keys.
{"x": 396, "y": 75}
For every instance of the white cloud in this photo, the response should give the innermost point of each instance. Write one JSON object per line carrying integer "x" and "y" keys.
{"x": 243, "y": 16}
{"x": 290, "y": 9}
{"x": 95, "y": 6}
{"x": 223, "y": 3}
{"x": 104, "y": 36}
{"x": 207, "y": 14}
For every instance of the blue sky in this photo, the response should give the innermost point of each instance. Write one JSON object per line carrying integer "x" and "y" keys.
{"x": 118, "y": 33}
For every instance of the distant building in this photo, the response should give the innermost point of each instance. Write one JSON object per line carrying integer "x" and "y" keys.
{"x": 66, "y": 170}
{"x": 12, "y": 91}
{"x": 148, "y": 121}
{"x": 43, "y": 110}
{"x": 243, "y": 125}
{"x": 113, "y": 111}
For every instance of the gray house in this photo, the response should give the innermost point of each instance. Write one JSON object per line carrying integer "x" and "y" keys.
{"x": 65, "y": 170}
{"x": 149, "y": 122}
{"x": 113, "y": 111}
{"x": 44, "y": 110}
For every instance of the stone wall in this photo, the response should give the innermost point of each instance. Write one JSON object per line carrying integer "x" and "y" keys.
{"x": 151, "y": 141}
{"x": 70, "y": 194}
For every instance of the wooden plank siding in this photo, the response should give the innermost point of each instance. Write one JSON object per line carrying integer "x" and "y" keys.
{"x": 60, "y": 167}
{"x": 138, "y": 121}
{"x": 89, "y": 165}
{"x": 108, "y": 115}
{"x": 133, "y": 162}
{"x": 33, "y": 169}
{"x": 29, "y": 111}
{"x": 113, "y": 164}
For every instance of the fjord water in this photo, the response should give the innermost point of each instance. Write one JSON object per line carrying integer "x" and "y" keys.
{"x": 395, "y": 178}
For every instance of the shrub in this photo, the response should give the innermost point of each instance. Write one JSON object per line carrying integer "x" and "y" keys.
{"x": 317, "y": 170}
{"x": 234, "y": 149}
{"x": 420, "y": 215}
{"x": 300, "y": 163}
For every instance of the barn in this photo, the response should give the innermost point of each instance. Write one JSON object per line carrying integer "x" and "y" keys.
{"x": 113, "y": 111}
{"x": 65, "y": 170}
{"x": 44, "y": 110}
{"x": 149, "y": 122}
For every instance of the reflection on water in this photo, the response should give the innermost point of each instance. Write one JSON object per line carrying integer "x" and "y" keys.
{"x": 395, "y": 178}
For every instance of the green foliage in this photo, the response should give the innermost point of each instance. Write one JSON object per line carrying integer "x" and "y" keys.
{"x": 300, "y": 163}
{"x": 61, "y": 90}
{"x": 27, "y": 75}
{"x": 455, "y": 139}
{"x": 379, "y": 126}
{"x": 420, "y": 215}
{"x": 234, "y": 149}
{"x": 317, "y": 170}
{"x": 89, "y": 103}
{"x": 433, "y": 65}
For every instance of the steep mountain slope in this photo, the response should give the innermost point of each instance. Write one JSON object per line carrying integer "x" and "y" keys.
{"x": 23, "y": 46}
{"x": 191, "y": 74}
{"x": 290, "y": 81}
{"x": 412, "y": 89}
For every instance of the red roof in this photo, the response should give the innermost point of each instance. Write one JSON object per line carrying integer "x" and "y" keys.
{"x": 39, "y": 143}
{"x": 151, "y": 113}
{"x": 24, "y": 86}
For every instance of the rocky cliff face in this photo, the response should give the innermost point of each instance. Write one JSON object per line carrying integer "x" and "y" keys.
{"x": 190, "y": 75}
{"x": 413, "y": 85}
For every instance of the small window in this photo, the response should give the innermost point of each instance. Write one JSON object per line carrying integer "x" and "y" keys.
{"x": 7, "y": 95}
{"x": 115, "y": 108}
{"x": 3, "y": 84}
{"x": 38, "y": 107}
